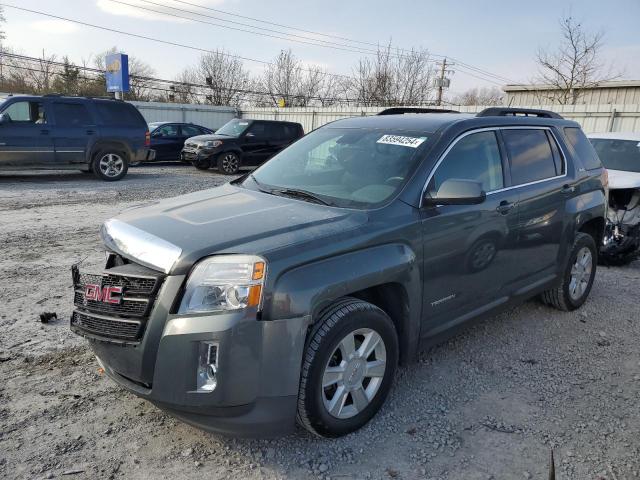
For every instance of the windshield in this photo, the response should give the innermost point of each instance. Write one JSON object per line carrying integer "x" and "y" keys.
{"x": 233, "y": 128}
{"x": 618, "y": 154}
{"x": 357, "y": 168}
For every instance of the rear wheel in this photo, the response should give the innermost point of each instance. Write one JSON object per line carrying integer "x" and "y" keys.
{"x": 348, "y": 368}
{"x": 228, "y": 163}
{"x": 110, "y": 165}
{"x": 578, "y": 276}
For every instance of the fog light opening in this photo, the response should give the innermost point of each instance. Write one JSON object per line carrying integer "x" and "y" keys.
{"x": 207, "y": 374}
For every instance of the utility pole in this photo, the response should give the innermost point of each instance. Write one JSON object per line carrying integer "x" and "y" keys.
{"x": 442, "y": 82}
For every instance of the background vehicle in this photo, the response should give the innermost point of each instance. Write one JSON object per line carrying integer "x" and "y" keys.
{"x": 240, "y": 143}
{"x": 620, "y": 154}
{"x": 55, "y": 132}
{"x": 167, "y": 138}
{"x": 294, "y": 291}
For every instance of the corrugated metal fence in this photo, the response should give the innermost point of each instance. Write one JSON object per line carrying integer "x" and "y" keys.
{"x": 205, "y": 115}
{"x": 593, "y": 118}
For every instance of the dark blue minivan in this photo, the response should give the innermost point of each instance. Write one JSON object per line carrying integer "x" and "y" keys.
{"x": 102, "y": 136}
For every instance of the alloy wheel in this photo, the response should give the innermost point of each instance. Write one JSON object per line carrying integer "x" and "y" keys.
{"x": 581, "y": 273}
{"x": 111, "y": 165}
{"x": 230, "y": 163}
{"x": 354, "y": 373}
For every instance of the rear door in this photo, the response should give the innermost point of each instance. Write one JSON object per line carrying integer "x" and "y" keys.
{"x": 538, "y": 174}
{"x": 25, "y": 136}
{"x": 469, "y": 262}
{"x": 74, "y": 133}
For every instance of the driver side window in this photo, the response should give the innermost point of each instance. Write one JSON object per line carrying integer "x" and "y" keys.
{"x": 474, "y": 157}
{"x": 26, "y": 112}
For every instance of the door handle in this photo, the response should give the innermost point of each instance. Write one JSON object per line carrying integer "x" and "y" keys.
{"x": 567, "y": 189}
{"x": 44, "y": 132}
{"x": 505, "y": 207}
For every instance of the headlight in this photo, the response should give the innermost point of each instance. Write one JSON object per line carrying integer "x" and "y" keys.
{"x": 224, "y": 282}
{"x": 213, "y": 143}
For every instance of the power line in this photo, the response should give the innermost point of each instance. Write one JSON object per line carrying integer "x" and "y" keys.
{"x": 458, "y": 61}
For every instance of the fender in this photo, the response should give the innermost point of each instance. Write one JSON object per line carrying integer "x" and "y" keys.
{"x": 585, "y": 207}
{"x": 110, "y": 143}
{"x": 308, "y": 289}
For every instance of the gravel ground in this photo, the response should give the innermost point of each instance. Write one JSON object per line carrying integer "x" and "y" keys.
{"x": 490, "y": 403}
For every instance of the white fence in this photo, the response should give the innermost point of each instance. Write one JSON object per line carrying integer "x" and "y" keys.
{"x": 593, "y": 118}
{"x": 205, "y": 115}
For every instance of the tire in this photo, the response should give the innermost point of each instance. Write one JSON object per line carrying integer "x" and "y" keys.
{"x": 580, "y": 271}
{"x": 330, "y": 378}
{"x": 228, "y": 163}
{"x": 110, "y": 165}
{"x": 202, "y": 164}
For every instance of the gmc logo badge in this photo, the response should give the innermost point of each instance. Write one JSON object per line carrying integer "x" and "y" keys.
{"x": 112, "y": 295}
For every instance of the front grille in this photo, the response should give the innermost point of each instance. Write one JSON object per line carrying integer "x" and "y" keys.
{"x": 107, "y": 327}
{"x": 126, "y": 318}
{"x": 190, "y": 147}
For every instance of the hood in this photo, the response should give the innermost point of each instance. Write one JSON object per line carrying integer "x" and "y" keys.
{"x": 226, "y": 219}
{"x": 210, "y": 137}
{"x": 622, "y": 179}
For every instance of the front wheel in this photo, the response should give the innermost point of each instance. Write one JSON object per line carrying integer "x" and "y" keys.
{"x": 348, "y": 369}
{"x": 228, "y": 163}
{"x": 578, "y": 276}
{"x": 110, "y": 165}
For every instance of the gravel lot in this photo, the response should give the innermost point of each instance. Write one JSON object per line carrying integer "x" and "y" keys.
{"x": 489, "y": 404}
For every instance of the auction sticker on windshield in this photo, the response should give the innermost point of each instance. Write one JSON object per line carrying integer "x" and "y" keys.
{"x": 413, "y": 142}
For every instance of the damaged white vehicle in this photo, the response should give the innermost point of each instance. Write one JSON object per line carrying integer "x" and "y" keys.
{"x": 620, "y": 154}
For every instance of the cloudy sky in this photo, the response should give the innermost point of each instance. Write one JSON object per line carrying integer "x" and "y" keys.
{"x": 499, "y": 36}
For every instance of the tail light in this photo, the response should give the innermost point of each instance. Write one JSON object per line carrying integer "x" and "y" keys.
{"x": 147, "y": 139}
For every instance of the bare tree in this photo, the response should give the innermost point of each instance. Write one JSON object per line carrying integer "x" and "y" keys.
{"x": 225, "y": 76}
{"x": 141, "y": 86}
{"x": 574, "y": 65}
{"x": 185, "y": 89}
{"x": 393, "y": 77}
{"x": 3, "y": 36}
{"x": 480, "y": 96}
{"x": 288, "y": 79}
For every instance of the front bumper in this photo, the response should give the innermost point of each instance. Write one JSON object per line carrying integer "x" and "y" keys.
{"x": 195, "y": 156}
{"x": 258, "y": 368}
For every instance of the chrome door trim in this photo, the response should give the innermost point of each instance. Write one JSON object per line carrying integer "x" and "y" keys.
{"x": 493, "y": 129}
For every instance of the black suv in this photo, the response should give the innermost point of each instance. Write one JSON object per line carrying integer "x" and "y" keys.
{"x": 240, "y": 143}
{"x": 55, "y": 132}
{"x": 295, "y": 290}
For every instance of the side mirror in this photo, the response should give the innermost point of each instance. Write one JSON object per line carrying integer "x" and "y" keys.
{"x": 457, "y": 192}
{"x": 4, "y": 118}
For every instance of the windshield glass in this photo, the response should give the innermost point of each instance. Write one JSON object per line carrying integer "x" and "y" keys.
{"x": 618, "y": 154}
{"x": 345, "y": 167}
{"x": 233, "y": 128}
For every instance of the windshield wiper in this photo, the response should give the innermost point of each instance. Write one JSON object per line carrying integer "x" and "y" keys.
{"x": 301, "y": 194}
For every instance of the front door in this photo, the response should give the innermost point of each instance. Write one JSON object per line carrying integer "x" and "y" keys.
{"x": 167, "y": 141}
{"x": 74, "y": 133}
{"x": 25, "y": 135}
{"x": 469, "y": 256}
{"x": 255, "y": 144}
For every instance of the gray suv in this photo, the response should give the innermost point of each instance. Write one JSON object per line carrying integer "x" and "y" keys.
{"x": 294, "y": 292}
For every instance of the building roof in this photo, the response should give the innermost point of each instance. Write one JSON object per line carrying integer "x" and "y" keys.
{"x": 539, "y": 86}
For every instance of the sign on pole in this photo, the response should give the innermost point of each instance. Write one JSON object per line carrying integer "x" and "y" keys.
{"x": 117, "y": 73}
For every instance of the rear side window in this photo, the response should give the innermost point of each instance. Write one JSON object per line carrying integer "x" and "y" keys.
{"x": 115, "y": 113}
{"x": 191, "y": 131}
{"x": 474, "y": 157}
{"x": 582, "y": 147}
{"x": 71, "y": 115}
{"x": 530, "y": 154}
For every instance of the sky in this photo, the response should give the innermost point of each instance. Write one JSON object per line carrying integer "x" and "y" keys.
{"x": 497, "y": 36}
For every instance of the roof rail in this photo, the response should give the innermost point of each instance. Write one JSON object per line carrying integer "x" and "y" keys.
{"x": 403, "y": 110}
{"x": 527, "y": 112}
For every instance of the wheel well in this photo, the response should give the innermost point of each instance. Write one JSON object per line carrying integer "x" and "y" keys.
{"x": 595, "y": 228}
{"x": 392, "y": 298}
{"x": 108, "y": 146}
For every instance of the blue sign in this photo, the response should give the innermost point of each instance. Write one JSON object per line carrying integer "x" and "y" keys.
{"x": 117, "y": 74}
